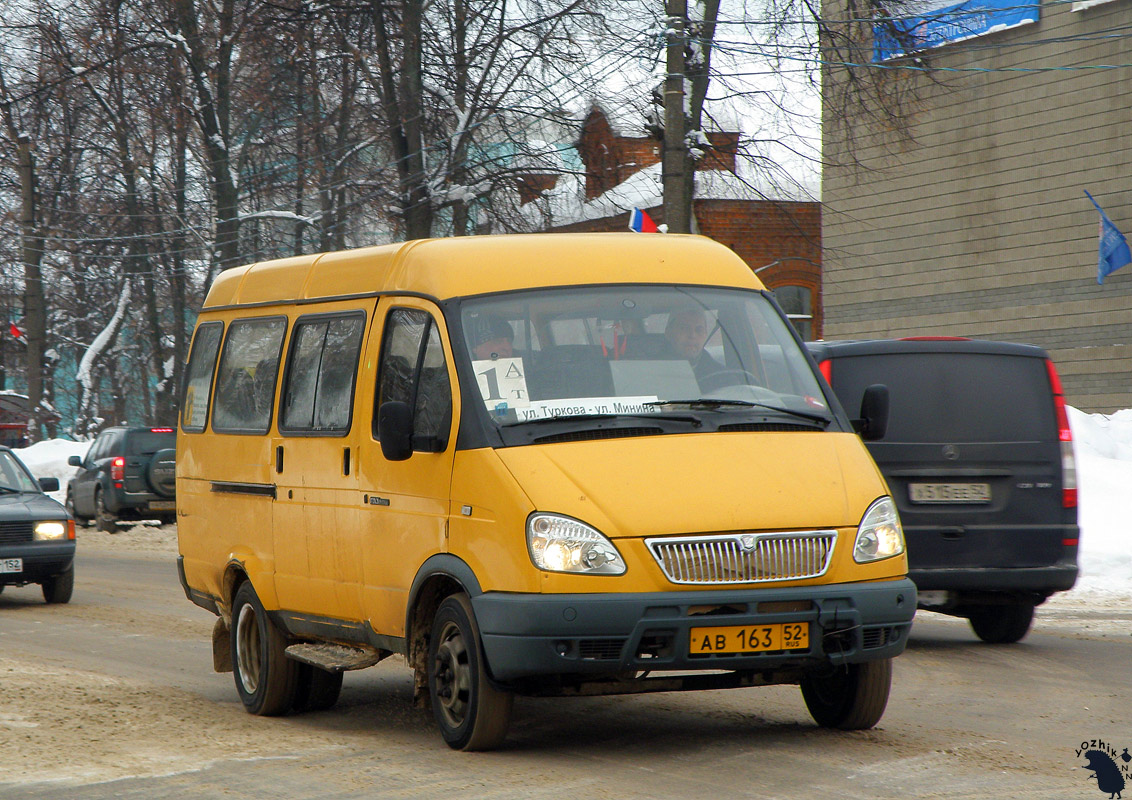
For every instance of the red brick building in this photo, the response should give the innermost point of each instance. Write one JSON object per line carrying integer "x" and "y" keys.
{"x": 779, "y": 238}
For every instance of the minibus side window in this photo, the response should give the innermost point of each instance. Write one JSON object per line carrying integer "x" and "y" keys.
{"x": 318, "y": 390}
{"x": 245, "y": 383}
{"x": 198, "y": 381}
{"x": 413, "y": 371}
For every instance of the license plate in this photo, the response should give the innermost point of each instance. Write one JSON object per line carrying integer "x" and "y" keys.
{"x": 162, "y": 505}
{"x": 11, "y": 565}
{"x": 949, "y": 492}
{"x": 737, "y": 639}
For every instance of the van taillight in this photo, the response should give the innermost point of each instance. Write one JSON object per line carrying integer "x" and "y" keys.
{"x": 826, "y": 368}
{"x": 118, "y": 471}
{"x": 1065, "y": 436}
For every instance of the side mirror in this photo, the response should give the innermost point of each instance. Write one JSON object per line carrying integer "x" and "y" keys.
{"x": 873, "y": 423}
{"x": 75, "y": 461}
{"x": 395, "y": 429}
{"x": 49, "y": 484}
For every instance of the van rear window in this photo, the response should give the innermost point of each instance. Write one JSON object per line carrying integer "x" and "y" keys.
{"x": 953, "y": 397}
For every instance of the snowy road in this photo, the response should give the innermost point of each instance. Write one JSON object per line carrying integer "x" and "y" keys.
{"x": 113, "y": 696}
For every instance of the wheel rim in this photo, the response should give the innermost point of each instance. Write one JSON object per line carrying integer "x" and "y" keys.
{"x": 453, "y": 671}
{"x": 247, "y": 648}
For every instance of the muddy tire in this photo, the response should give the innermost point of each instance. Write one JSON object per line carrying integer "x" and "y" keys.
{"x": 1002, "y": 624}
{"x": 69, "y": 504}
{"x": 265, "y": 677}
{"x": 103, "y": 519}
{"x": 850, "y": 697}
{"x": 316, "y": 689}
{"x": 59, "y": 588}
{"x": 472, "y": 714}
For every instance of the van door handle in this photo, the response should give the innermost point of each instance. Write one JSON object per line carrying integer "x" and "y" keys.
{"x": 279, "y": 458}
{"x": 345, "y": 460}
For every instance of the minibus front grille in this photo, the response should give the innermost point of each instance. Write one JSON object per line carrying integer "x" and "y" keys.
{"x": 744, "y": 557}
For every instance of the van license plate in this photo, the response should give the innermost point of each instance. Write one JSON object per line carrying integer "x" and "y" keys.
{"x": 949, "y": 492}
{"x": 736, "y": 639}
{"x": 11, "y": 565}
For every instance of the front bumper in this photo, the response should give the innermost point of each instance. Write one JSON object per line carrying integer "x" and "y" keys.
{"x": 526, "y": 635}
{"x": 42, "y": 560}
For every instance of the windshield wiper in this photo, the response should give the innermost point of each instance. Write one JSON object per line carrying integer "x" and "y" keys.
{"x": 707, "y": 403}
{"x": 10, "y": 490}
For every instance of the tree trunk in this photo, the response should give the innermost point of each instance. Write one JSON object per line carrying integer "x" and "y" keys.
{"x": 35, "y": 303}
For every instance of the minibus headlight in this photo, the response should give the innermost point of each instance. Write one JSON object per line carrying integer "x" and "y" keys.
{"x": 50, "y": 531}
{"x": 879, "y": 535}
{"x": 562, "y": 544}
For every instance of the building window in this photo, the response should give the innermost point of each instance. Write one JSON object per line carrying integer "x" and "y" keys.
{"x": 797, "y": 302}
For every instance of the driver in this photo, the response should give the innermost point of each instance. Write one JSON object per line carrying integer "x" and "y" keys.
{"x": 687, "y": 333}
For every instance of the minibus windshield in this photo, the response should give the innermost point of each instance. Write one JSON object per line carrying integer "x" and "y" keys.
{"x": 635, "y": 350}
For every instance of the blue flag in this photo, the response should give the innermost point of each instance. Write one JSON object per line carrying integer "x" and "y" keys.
{"x": 1112, "y": 251}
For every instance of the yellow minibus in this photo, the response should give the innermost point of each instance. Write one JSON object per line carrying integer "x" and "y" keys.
{"x": 533, "y": 464}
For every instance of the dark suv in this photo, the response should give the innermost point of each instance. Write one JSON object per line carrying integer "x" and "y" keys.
{"x": 979, "y": 457}
{"x": 128, "y": 474}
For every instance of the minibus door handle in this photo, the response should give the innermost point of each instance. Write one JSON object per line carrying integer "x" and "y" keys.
{"x": 279, "y": 458}
{"x": 345, "y": 460}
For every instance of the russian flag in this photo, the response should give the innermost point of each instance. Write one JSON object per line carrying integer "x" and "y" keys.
{"x": 641, "y": 222}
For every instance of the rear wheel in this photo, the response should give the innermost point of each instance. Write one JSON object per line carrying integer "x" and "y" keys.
{"x": 850, "y": 697}
{"x": 316, "y": 689}
{"x": 472, "y": 714}
{"x": 69, "y": 504}
{"x": 1002, "y": 624}
{"x": 59, "y": 588}
{"x": 103, "y": 519}
{"x": 265, "y": 677}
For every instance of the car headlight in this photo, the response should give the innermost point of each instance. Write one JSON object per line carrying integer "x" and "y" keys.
{"x": 562, "y": 544}
{"x": 879, "y": 535}
{"x": 49, "y": 531}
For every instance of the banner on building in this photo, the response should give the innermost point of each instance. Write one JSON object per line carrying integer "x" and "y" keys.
{"x": 914, "y": 27}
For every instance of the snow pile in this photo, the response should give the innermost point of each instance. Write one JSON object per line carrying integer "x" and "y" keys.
{"x": 49, "y": 460}
{"x": 1103, "y": 448}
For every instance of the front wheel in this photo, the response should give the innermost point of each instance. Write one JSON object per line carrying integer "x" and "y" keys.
{"x": 316, "y": 689}
{"x": 851, "y": 697}
{"x": 59, "y": 588}
{"x": 265, "y": 677}
{"x": 1002, "y": 624}
{"x": 472, "y": 714}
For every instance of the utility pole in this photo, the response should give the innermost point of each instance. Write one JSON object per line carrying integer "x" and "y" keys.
{"x": 676, "y": 166}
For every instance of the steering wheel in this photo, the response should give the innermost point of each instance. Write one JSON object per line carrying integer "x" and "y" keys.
{"x": 728, "y": 377}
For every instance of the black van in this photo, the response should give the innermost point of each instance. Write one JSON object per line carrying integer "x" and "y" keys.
{"x": 979, "y": 457}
